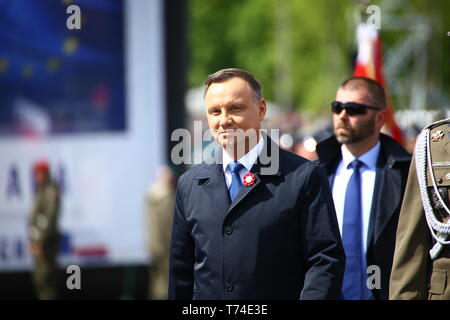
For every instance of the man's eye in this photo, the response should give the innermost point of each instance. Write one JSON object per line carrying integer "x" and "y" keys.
{"x": 236, "y": 108}
{"x": 215, "y": 111}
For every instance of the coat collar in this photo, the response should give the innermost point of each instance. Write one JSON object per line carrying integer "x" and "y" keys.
{"x": 329, "y": 152}
{"x": 210, "y": 167}
{"x": 248, "y": 160}
{"x": 392, "y": 157}
{"x": 210, "y": 174}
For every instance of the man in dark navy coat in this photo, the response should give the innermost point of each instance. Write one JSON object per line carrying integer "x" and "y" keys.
{"x": 258, "y": 222}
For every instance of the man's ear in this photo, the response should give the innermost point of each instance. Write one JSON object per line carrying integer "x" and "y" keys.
{"x": 262, "y": 109}
{"x": 381, "y": 118}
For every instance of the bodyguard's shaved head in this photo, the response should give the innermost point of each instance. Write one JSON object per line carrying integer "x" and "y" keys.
{"x": 375, "y": 92}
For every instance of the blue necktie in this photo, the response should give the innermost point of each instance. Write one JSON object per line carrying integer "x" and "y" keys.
{"x": 236, "y": 182}
{"x": 354, "y": 286}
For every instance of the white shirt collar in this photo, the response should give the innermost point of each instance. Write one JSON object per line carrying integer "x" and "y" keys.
{"x": 369, "y": 158}
{"x": 248, "y": 159}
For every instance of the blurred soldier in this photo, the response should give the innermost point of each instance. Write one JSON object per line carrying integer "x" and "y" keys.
{"x": 160, "y": 208}
{"x": 421, "y": 267}
{"x": 43, "y": 232}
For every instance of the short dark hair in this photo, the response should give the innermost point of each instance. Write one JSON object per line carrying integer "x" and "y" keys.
{"x": 226, "y": 74}
{"x": 376, "y": 94}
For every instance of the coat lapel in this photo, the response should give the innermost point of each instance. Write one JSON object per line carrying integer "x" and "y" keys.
{"x": 390, "y": 189}
{"x": 269, "y": 146}
{"x": 217, "y": 188}
{"x": 244, "y": 192}
{"x": 393, "y": 162}
{"x": 374, "y": 207}
{"x": 212, "y": 179}
{"x": 329, "y": 152}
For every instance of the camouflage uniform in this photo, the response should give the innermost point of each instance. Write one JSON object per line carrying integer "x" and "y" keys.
{"x": 44, "y": 232}
{"x": 160, "y": 206}
{"x": 418, "y": 272}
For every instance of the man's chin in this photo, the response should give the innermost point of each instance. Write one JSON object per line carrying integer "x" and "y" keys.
{"x": 232, "y": 145}
{"x": 225, "y": 141}
{"x": 343, "y": 138}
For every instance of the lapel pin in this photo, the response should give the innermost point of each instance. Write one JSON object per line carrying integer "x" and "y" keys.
{"x": 438, "y": 135}
{"x": 249, "y": 179}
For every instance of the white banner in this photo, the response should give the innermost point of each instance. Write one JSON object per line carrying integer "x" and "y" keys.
{"x": 103, "y": 177}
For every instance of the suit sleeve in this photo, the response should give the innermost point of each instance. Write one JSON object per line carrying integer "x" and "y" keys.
{"x": 411, "y": 259}
{"x": 323, "y": 251}
{"x": 182, "y": 258}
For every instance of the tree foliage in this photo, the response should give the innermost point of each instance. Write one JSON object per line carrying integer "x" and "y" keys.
{"x": 299, "y": 50}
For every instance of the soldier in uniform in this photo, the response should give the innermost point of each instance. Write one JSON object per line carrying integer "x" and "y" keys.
{"x": 160, "y": 208}
{"x": 421, "y": 267}
{"x": 43, "y": 233}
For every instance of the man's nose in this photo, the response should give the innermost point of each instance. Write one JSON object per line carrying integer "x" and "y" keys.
{"x": 343, "y": 114}
{"x": 225, "y": 119}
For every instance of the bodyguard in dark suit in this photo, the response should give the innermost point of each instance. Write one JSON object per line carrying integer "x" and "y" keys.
{"x": 367, "y": 196}
{"x": 249, "y": 228}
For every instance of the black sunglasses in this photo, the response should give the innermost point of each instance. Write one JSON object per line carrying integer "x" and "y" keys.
{"x": 352, "y": 108}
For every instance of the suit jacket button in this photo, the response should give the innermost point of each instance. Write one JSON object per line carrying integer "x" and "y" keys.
{"x": 228, "y": 230}
{"x": 228, "y": 287}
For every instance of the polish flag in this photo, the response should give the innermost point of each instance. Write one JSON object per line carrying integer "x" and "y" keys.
{"x": 369, "y": 63}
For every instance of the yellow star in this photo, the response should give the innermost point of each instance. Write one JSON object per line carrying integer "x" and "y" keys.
{"x": 27, "y": 70}
{"x": 71, "y": 45}
{"x": 66, "y": 1}
{"x": 3, "y": 65}
{"x": 52, "y": 64}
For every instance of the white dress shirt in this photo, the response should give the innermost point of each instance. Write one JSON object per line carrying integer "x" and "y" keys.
{"x": 368, "y": 175}
{"x": 247, "y": 161}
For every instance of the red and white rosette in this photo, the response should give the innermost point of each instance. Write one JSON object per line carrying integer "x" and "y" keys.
{"x": 438, "y": 135}
{"x": 249, "y": 179}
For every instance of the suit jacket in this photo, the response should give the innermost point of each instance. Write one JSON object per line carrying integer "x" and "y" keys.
{"x": 391, "y": 176}
{"x": 278, "y": 239}
{"x": 410, "y": 270}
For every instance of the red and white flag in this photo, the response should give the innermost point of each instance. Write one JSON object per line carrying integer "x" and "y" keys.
{"x": 369, "y": 63}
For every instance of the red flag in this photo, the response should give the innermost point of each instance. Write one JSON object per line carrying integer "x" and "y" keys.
{"x": 369, "y": 64}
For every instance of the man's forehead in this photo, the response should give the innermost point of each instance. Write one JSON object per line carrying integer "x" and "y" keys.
{"x": 233, "y": 87}
{"x": 225, "y": 102}
{"x": 359, "y": 93}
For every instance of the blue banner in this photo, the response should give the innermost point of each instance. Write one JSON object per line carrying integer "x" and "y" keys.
{"x": 54, "y": 79}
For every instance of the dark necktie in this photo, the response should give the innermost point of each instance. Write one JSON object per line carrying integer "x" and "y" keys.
{"x": 354, "y": 285}
{"x": 236, "y": 182}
